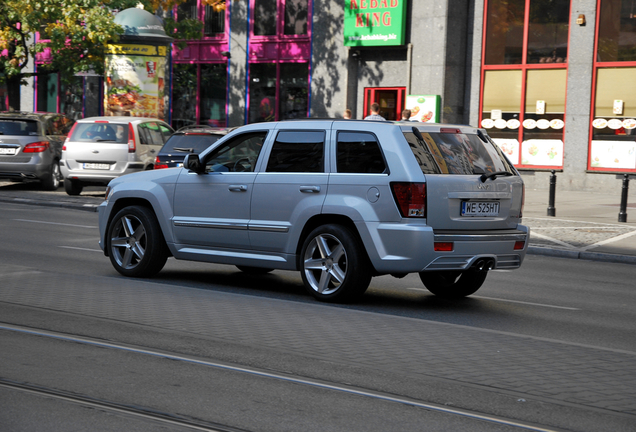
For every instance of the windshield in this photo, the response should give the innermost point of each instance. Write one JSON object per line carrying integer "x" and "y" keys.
{"x": 18, "y": 127}
{"x": 456, "y": 153}
{"x": 100, "y": 132}
{"x": 189, "y": 143}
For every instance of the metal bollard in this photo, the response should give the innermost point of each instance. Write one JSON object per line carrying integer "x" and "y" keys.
{"x": 622, "y": 215}
{"x": 551, "y": 209}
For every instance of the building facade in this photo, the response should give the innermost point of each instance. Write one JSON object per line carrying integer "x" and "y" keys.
{"x": 553, "y": 81}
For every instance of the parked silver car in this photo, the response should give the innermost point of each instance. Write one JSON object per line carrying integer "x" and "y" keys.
{"x": 31, "y": 146}
{"x": 100, "y": 149}
{"x": 339, "y": 201}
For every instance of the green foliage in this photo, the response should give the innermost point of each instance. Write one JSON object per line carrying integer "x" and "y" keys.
{"x": 75, "y": 31}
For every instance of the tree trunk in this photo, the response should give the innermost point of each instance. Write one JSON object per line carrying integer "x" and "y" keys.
{"x": 13, "y": 91}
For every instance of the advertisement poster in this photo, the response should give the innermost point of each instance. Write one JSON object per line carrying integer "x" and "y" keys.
{"x": 424, "y": 108}
{"x": 613, "y": 154}
{"x": 510, "y": 147}
{"x": 542, "y": 152}
{"x": 374, "y": 22}
{"x": 135, "y": 81}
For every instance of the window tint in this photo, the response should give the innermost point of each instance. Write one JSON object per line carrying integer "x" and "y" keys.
{"x": 359, "y": 152}
{"x": 239, "y": 154}
{"x": 297, "y": 151}
{"x": 189, "y": 143}
{"x": 100, "y": 132}
{"x": 456, "y": 153}
{"x": 165, "y": 131}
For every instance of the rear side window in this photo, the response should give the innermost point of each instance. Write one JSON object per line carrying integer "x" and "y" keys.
{"x": 455, "y": 153}
{"x": 115, "y": 133}
{"x": 359, "y": 152}
{"x": 194, "y": 143}
{"x": 298, "y": 151}
{"x": 18, "y": 127}
{"x": 150, "y": 133}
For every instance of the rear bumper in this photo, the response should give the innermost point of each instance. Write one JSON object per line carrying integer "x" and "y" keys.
{"x": 99, "y": 176}
{"x": 400, "y": 248}
{"x": 34, "y": 167}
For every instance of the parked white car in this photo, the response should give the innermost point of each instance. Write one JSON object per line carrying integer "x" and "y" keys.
{"x": 339, "y": 201}
{"x": 99, "y": 149}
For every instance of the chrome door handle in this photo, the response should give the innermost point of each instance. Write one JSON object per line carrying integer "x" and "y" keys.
{"x": 310, "y": 189}
{"x": 237, "y": 188}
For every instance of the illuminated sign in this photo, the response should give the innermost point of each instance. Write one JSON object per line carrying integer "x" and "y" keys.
{"x": 374, "y": 22}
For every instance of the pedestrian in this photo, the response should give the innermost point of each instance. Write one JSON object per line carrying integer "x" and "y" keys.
{"x": 347, "y": 114}
{"x": 406, "y": 115}
{"x": 375, "y": 113}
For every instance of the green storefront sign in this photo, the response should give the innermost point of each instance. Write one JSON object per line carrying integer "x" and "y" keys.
{"x": 374, "y": 22}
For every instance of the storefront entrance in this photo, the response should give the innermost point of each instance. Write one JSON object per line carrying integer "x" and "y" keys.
{"x": 391, "y": 100}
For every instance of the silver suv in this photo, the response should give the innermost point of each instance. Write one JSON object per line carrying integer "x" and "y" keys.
{"x": 339, "y": 201}
{"x": 100, "y": 149}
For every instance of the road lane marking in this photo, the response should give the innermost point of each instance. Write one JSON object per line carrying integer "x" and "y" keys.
{"x": 56, "y": 223}
{"x": 610, "y": 240}
{"x": 83, "y": 249}
{"x": 282, "y": 377}
{"x": 509, "y": 301}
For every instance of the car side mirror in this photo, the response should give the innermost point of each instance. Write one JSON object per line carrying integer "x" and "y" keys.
{"x": 193, "y": 163}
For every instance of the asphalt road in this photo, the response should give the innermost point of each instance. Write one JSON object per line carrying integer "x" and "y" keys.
{"x": 140, "y": 373}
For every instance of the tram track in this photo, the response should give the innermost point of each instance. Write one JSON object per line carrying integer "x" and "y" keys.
{"x": 207, "y": 426}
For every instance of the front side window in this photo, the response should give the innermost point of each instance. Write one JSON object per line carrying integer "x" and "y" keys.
{"x": 239, "y": 154}
{"x": 298, "y": 151}
{"x": 359, "y": 152}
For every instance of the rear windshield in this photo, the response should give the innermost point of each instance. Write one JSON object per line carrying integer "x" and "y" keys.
{"x": 456, "y": 153}
{"x": 189, "y": 143}
{"x": 18, "y": 127}
{"x": 100, "y": 132}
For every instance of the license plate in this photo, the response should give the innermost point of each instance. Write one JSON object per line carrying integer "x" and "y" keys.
{"x": 8, "y": 151}
{"x": 480, "y": 208}
{"x": 97, "y": 166}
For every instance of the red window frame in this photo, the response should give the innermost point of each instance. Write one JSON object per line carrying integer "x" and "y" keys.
{"x": 596, "y": 66}
{"x": 524, "y": 67}
{"x": 370, "y": 96}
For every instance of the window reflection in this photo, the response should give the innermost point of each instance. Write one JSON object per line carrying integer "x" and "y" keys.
{"x": 617, "y": 31}
{"x": 296, "y": 17}
{"x": 212, "y": 94}
{"x": 184, "y": 95}
{"x": 293, "y": 90}
{"x": 187, "y": 10}
{"x": 548, "y": 31}
{"x": 262, "y": 92}
{"x": 504, "y": 32}
{"x": 214, "y": 21}
{"x": 265, "y": 17}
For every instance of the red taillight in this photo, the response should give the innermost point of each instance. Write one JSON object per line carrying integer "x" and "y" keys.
{"x": 68, "y": 137}
{"x": 450, "y": 130}
{"x": 131, "y": 139}
{"x": 523, "y": 199}
{"x": 443, "y": 246}
{"x": 159, "y": 164}
{"x": 519, "y": 245}
{"x": 36, "y": 147}
{"x": 410, "y": 199}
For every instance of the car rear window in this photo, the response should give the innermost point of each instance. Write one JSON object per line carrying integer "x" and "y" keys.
{"x": 297, "y": 151}
{"x": 18, "y": 127}
{"x": 189, "y": 143}
{"x": 101, "y": 132}
{"x": 456, "y": 153}
{"x": 359, "y": 152}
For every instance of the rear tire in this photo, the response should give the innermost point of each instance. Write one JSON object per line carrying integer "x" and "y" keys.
{"x": 52, "y": 181}
{"x": 135, "y": 243}
{"x": 73, "y": 187}
{"x": 334, "y": 265}
{"x": 254, "y": 270}
{"x": 453, "y": 284}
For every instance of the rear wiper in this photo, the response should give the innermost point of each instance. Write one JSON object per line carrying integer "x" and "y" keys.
{"x": 104, "y": 140}
{"x": 184, "y": 149}
{"x": 494, "y": 175}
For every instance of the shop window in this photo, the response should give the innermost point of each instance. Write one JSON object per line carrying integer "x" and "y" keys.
{"x": 213, "y": 91}
{"x": 613, "y": 144}
{"x": 72, "y": 98}
{"x": 546, "y": 25}
{"x": 47, "y": 91}
{"x": 265, "y": 17}
{"x": 184, "y": 95}
{"x": 278, "y": 91}
{"x": 617, "y": 31}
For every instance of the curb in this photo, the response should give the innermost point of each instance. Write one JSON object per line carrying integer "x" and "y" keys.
{"x": 590, "y": 256}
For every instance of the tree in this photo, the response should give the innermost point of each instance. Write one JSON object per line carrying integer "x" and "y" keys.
{"x": 76, "y": 31}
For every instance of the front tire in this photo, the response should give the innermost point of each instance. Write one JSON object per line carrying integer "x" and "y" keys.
{"x": 453, "y": 284}
{"x": 73, "y": 187}
{"x": 52, "y": 181}
{"x": 136, "y": 245}
{"x": 334, "y": 265}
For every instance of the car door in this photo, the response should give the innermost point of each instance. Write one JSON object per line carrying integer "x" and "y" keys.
{"x": 212, "y": 209}
{"x": 291, "y": 189}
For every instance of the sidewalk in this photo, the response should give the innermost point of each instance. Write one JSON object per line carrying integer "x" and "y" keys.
{"x": 585, "y": 226}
